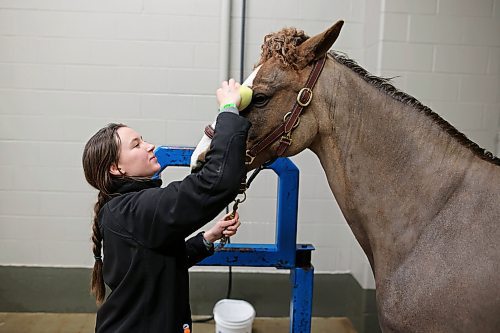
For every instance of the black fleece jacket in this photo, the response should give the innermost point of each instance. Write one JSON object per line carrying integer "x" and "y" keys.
{"x": 146, "y": 257}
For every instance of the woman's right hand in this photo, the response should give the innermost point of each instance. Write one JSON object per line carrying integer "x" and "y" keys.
{"x": 229, "y": 93}
{"x": 226, "y": 227}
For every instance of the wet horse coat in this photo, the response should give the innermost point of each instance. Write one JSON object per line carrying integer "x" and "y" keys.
{"x": 422, "y": 200}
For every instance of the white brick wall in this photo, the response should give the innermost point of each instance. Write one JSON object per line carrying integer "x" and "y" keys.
{"x": 69, "y": 67}
{"x": 447, "y": 54}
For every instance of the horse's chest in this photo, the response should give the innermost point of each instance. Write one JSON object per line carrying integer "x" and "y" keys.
{"x": 433, "y": 294}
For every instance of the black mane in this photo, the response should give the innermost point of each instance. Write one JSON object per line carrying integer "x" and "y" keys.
{"x": 384, "y": 85}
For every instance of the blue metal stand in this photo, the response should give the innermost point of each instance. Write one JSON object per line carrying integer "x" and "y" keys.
{"x": 284, "y": 254}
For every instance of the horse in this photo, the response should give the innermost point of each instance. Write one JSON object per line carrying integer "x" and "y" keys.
{"x": 422, "y": 200}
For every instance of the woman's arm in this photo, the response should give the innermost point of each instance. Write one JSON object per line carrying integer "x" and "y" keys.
{"x": 159, "y": 216}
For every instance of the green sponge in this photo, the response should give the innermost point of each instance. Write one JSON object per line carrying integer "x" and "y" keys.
{"x": 246, "y": 97}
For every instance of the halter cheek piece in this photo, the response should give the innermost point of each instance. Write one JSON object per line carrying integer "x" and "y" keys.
{"x": 291, "y": 119}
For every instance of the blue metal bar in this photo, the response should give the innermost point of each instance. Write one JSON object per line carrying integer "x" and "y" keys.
{"x": 282, "y": 253}
{"x": 172, "y": 156}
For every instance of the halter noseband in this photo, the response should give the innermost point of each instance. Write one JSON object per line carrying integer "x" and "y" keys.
{"x": 291, "y": 119}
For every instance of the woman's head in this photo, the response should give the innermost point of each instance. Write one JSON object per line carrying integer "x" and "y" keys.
{"x": 117, "y": 151}
{"x": 136, "y": 157}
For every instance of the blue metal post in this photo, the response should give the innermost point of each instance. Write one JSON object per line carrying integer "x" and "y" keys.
{"x": 301, "y": 278}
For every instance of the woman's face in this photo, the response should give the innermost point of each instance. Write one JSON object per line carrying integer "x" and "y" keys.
{"x": 136, "y": 155}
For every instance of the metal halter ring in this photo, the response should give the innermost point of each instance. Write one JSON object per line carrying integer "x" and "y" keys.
{"x": 244, "y": 197}
{"x": 248, "y": 158}
{"x": 299, "y": 95}
{"x": 297, "y": 122}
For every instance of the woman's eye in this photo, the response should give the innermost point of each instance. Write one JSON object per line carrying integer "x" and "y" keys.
{"x": 139, "y": 142}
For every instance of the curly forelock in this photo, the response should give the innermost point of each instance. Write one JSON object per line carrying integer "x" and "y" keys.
{"x": 282, "y": 46}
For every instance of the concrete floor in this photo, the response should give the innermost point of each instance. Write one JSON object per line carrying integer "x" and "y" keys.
{"x": 13, "y": 322}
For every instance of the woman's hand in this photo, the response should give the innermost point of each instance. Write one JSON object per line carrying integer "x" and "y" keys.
{"x": 229, "y": 93}
{"x": 225, "y": 227}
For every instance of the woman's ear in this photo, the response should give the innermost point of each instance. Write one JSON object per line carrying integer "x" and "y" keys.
{"x": 115, "y": 170}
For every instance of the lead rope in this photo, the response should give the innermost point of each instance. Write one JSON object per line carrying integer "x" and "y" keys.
{"x": 224, "y": 240}
{"x": 244, "y": 186}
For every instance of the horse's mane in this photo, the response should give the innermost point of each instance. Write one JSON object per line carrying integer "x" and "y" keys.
{"x": 383, "y": 84}
{"x": 282, "y": 46}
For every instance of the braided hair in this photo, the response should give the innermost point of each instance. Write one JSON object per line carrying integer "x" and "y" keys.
{"x": 99, "y": 154}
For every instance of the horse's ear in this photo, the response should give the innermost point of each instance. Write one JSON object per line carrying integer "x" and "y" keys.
{"x": 316, "y": 46}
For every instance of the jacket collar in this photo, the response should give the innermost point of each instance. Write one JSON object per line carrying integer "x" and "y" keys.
{"x": 126, "y": 185}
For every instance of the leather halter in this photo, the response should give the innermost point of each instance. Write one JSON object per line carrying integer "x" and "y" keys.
{"x": 209, "y": 131}
{"x": 291, "y": 119}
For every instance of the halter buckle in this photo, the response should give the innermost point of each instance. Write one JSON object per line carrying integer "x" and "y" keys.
{"x": 286, "y": 139}
{"x": 299, "y": 96}
{"x": 243, "y": 187}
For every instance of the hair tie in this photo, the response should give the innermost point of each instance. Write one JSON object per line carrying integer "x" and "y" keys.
{"x": 98, "y": 258}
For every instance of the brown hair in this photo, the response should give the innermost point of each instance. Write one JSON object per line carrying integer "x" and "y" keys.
{"x": 99, "y": 154}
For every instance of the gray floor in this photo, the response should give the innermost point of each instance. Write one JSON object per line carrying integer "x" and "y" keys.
{"x": 14, "y": 322}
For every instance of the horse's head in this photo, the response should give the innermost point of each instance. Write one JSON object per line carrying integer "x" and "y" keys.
{"x": 286, "y": 62}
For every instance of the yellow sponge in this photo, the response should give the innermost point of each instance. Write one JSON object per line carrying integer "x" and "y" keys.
{"x": 246, "y": 97}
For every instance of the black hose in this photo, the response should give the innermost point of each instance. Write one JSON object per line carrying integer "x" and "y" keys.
{"x": 242, "y": 40}
{"x": 242, "y": 74}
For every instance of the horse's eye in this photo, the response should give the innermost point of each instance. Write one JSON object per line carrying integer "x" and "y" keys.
{"x": 259, "y": 100}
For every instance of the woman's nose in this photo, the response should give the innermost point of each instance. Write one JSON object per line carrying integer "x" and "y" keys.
{"x": 150, "y": 147}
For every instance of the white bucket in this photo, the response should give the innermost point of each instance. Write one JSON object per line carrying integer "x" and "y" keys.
{"x": 233, "y": 316}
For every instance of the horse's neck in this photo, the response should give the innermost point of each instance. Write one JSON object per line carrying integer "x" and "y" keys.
{"x": 390, "y": 168}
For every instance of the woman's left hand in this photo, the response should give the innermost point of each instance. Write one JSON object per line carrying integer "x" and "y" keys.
{"x": 225, "y": 227}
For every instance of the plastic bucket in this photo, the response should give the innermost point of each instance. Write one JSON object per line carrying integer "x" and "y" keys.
{"x": 233, "y": 316}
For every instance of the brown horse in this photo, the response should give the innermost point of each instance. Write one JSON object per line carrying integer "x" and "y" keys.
{"x": 422, "y": 200}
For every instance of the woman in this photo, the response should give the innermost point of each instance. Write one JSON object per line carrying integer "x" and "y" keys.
{"x": 142, "y": 227}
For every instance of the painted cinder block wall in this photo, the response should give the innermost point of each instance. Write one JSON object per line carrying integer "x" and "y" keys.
{"x": 69, "y": 68}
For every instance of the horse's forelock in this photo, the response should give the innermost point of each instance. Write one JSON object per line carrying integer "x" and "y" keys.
{"x": 282, "y": 46}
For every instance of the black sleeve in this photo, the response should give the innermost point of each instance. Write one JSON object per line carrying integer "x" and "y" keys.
{"x": 156, "y": 217}
{"x": 196, "y": 250}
